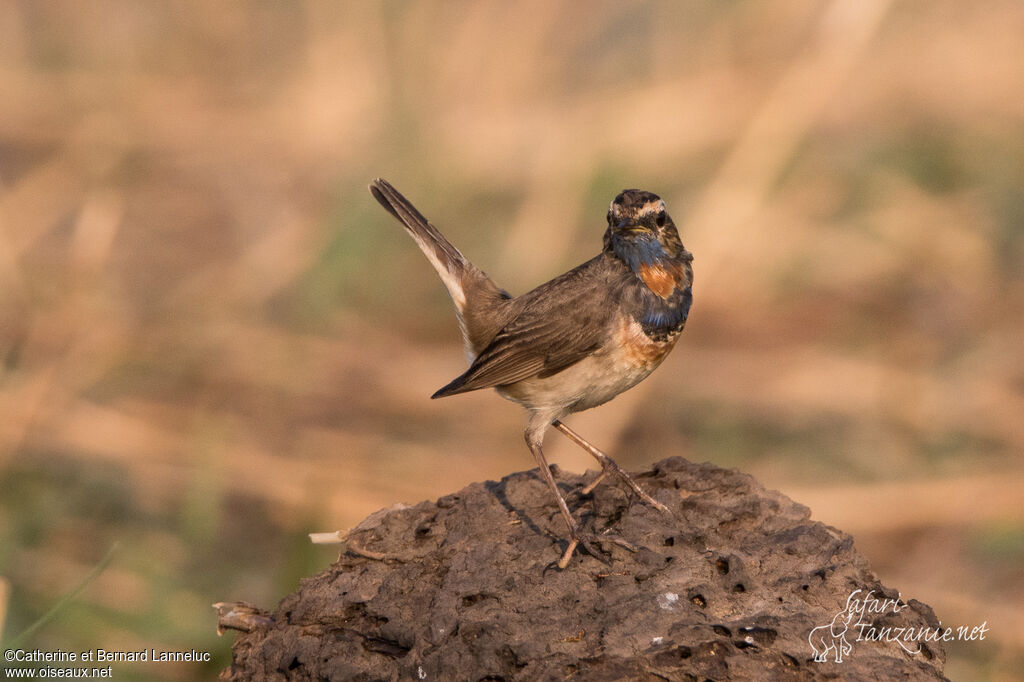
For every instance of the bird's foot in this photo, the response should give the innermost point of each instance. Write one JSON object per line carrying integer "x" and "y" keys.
{"x": 588, "y": 541}
{"x": 608, "y": 466}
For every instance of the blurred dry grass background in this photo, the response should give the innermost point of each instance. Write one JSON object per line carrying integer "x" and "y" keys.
{"x": 213, "y": 341}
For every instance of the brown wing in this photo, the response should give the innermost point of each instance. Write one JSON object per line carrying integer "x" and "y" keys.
{"x": 560, "y": 323}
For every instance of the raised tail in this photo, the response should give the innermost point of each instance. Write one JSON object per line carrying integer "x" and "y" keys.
{"x": 481, "y": 304}
{"x": 442, "y": 254}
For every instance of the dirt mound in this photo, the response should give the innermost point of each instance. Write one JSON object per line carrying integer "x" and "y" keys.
{"x": 729, "y": 586}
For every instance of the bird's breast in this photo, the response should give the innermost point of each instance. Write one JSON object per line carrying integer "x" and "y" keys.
{"x": 662, "y": 278}
{"x": 627, "y": 357}
{"x": 635, "y": 350}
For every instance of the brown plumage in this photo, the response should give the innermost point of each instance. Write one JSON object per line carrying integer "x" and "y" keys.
{"x": 576, "y": 341}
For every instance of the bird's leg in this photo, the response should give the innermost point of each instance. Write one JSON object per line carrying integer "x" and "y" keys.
{"x": 608, "y": 466}
{"x": 534, "y": 438}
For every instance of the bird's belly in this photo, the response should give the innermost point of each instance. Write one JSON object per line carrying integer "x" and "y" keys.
{"x": 628, "y": 358}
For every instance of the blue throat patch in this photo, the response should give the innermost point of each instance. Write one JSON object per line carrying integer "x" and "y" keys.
{"x": 639, "y": 251}
{"x": 661, "y": 316}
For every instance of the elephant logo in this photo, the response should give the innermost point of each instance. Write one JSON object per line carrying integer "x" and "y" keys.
{"x": 831, "y": 638}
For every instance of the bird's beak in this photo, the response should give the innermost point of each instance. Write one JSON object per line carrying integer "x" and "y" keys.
{"x": 629, "y": 227}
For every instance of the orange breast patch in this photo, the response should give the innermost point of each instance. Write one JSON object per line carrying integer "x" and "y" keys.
{"x": 660, "y": 279}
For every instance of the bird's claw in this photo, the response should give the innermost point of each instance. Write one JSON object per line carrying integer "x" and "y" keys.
{"x": 588, "y": 541}
{"x": 609, "y": 467}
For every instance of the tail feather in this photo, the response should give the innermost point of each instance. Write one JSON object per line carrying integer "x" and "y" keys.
{"x": 482, "y": 306}
{"x": 450, "y": 264}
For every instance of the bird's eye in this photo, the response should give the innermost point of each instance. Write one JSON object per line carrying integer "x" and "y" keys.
{"x": 660, "y": 219}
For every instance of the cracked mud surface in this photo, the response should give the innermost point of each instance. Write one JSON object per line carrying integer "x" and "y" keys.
{"x": 727, "y": 587}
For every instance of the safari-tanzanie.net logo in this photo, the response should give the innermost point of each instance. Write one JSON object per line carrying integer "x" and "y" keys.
{"x": 858, "y": 622}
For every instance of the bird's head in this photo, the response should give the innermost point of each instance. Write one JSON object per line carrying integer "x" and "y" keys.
{"x": 638, "y": 224}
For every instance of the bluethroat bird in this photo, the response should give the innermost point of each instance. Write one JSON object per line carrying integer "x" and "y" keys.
{"x": 575, "y": 342}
